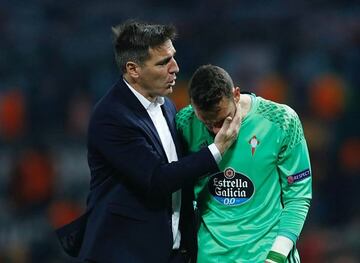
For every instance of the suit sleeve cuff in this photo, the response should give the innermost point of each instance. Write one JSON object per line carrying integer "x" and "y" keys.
{"x": 215, "y": 152}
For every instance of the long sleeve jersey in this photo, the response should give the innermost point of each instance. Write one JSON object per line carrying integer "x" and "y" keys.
{"x": 263, "y": 187}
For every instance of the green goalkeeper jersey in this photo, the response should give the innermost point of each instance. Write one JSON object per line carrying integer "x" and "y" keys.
{"x": 262, "y": 189}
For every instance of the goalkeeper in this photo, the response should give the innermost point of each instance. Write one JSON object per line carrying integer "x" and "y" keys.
{"x": 254, "y": 208}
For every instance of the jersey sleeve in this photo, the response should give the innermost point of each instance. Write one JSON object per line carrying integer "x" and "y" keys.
{"x": 295, "y": 177}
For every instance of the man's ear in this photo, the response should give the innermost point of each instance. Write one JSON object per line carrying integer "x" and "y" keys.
{"x": 132, "y": 69}
{"x": 236, "y": 92}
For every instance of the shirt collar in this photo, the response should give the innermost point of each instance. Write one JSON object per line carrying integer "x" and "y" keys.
{"x": 144, "y": 101}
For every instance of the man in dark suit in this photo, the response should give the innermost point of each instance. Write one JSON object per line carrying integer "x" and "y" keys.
{"x": 136, "y": 210}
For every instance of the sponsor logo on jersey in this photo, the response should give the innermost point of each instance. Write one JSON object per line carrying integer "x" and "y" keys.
{"x": 299, "y": 176}
{"x": 254, "y": 142}
{"x": 231, "y": 188}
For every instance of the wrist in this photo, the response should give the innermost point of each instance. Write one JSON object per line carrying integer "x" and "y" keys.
{"x": 220, "y": 147}
{"x": 275, "y": 257}
{"x": 282, "y": 245}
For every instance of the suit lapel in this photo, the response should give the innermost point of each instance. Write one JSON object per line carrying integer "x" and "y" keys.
{"x": 128, "y": 98}
{"x": 152, "y": 132}
{"x": 172, "y": 126}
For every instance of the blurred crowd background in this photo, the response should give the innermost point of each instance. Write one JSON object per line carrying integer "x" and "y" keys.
{"x": 56, "y": 61}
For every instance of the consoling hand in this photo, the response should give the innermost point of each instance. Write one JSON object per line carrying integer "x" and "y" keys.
{"x": 229, "y": 131}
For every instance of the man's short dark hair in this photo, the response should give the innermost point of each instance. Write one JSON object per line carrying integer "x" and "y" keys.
{"x": 208, "y": 85}
{"x": 132, "y": 40}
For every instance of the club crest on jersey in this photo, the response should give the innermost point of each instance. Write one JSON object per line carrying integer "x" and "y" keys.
{"x": 254, "y": 142}
{"x": 231, "y": 188}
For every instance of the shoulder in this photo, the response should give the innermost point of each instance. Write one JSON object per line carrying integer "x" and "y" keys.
{"x": 184, "y": 117}
{"x": 113, "y": 109}
{"x": 285, "y": 118}
{"x": 280, "y": 114}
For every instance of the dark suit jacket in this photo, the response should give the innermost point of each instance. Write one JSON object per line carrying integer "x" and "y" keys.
{"x": 128, "y": 217}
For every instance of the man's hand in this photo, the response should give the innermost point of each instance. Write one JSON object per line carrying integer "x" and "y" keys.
{"x": 229, "y": 131}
